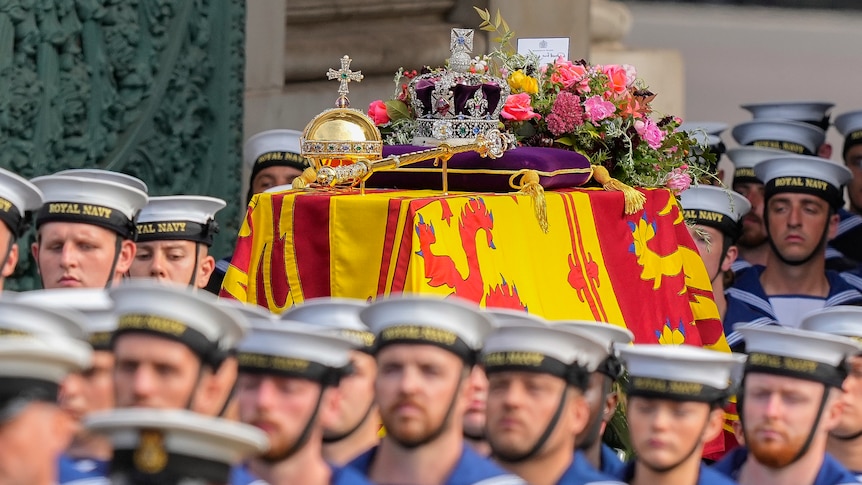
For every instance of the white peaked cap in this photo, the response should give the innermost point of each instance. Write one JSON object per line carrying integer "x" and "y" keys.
{"x": 20, "y": 317}
{"x": 94, "y": 304}
{"x": 681, "y": 372}
{"x": 108, "y": 175}
{"x": 271, "y": 141}
{"x": 338, "y": 314}
{"x": 841, "y": 320}
{"x": 555, "y": 342}
{"x": 194, "y": 208}
{"x": 813, "y": 111}
{"x": 17, "y": 196}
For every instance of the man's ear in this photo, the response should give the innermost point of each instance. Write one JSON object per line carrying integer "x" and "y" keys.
{"x": 329, "y": 406}
{"x": 715, "y": 424}
{"x": 126, "y": 256}
{"x": 579, "y": 411}
{"x": 825, "y": 151}
{"x": 834, "y": 219}
{"x": 214, "y": 388}
{"x": 11, "y": 261}
{"x": 205, "y": 269}
{"x": 834, "y": 409}
{"x": 729, "y": 258}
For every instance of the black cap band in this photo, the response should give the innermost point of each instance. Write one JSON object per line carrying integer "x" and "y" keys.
{"x": 806, "y": 185}
{"x": 537, "y": 362}
{"x": 22, "y": 390}
{"x": 98, "y": 215}
{"x": 654, "y": 388}
{"x": 787, "y": 146}
{"x": 176, "y": 330}
{"x": 156, "y": 465}
{"x": 852, "y": 139}
{"x": 101, "y": 340}
{"x": 11, "y": 216}
{"x": 365, "y": 337}
{"x": 745, "y": 175}
{"x": 722, "y": 222}
{"x": 254, "y": 363}
{"x": 421, "y": 335}
{"x": 279, "y": 159}
{"x": 808, "y": 370}
{"x": 177, "y": 231}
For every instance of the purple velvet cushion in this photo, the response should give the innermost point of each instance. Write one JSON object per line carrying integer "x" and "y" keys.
{"x": 471, "y": 173}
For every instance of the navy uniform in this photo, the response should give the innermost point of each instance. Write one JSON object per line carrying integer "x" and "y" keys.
{"x": 17, "y": 197}
{"x": 99, "y": 323}
{"x": 180, "y": 218}
{"x": 173, "y": 446}
{"x": 271, "y": 148}
{"x": 569, "y": 355}
{"x": 747, "y": 301}
{"x": 797, "y": 354}
{"x": 455, "y": 326}
{"x": 611, "y": 337}
{"x": 301, "y": 351}
{"x": 683, "y": 374}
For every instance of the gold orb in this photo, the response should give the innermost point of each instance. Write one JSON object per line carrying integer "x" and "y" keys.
{"x": 341, "y": 136}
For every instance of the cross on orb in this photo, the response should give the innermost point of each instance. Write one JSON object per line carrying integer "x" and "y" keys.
{"x": 344, "y": 76}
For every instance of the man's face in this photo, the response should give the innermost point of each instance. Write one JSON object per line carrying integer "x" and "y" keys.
{"x": 709, "y": 241}
{"x": 273, "y": 177}
{"x": 851, "y": 418}
{"x": 154, "y": 372}
{"x": 357, "y": 395}
{"x": 31, "y": 443}
{"x": 853, "y": 159}
{"x": 797, "y": 223}
{"x": 280, "y": 406}
{"x": 9, "y": 265}
{"x": 778, "y": 415}
{"x": 474, "y": 419}
{"x": 91, "y": 390}
{"x": 753, "y": 229}
{"x": 521, "y": 405}
{"x": 172, "y": 261}
{"x": 601, "y": 407}
{"x": 76, "y": 255}
{"x": 664, "y": 432}
{"x": 415, "y": 386}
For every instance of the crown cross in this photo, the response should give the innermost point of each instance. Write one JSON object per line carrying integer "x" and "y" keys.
{"x": 344, "y": 76}
{"x": 461, "y": 45}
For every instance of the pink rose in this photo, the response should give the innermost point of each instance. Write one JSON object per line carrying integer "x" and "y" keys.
{"x": 617, "y": 79}
{"x": 678, "y": 180}
{"x": 377, "y": 112}
{"x": 568, "y": 74}
{"x": 518, "y": 108}
{"x": 649, "y": 132}
{"x": 597, "y": 109}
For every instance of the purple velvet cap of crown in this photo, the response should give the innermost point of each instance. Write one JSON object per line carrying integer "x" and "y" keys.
{"x": 546, "y": 160}
{"x": 462, "y": 91}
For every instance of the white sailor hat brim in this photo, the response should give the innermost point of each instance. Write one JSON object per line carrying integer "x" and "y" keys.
{"x": 806, "y": 174}
{"x": 176, "y": 442}
{"x": 21, "y": 317}
{"x": 502, "y": 317}
{"x": 455, "y": 325}
{"x": 108, "y": 175}
{"x": 604, "y": 359}
{"x": 841, "y": 320}
{"x": 179, "y": 217}
{"x": 94, "y": 304}
{"x": 715, "y": 207}
{"x": 806, "y": 111}
{"x": 271, "y": 141}
{"x": 17, "y": 196}
{"x": 339, "y": 314}
{"x": 679, "y": 372}
{"x": 178, "y": 313}
{"x": 790, "y": 136}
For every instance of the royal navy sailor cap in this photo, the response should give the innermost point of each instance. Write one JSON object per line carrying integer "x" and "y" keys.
{"x": 844, "y": 320}
{"x": 337, "y": 314}
{"x": 804, "y": 174}
{"x": 274, "y": 147}
{"x": 17, "y": 197}
{"x": 253, "y": 314}
{"x": 790, "y": 136}
{"x": 88, "y": 200}
{"x": 506, "y": 316}
{"x": 94, "y": 304}
{"x": 547, "y": 349}
{"x": 179, "y": 313}
{"x": 850, "y": 127}
{"x": 797, "y": 353}
{"x": 611, "y": 336}
{"x": 109, "y": 175}
{"x": 166, "y": 444}
{"x": 455, "y": 325}
{"x": 296, "y": 349}
{"x": 745, "y": 158}
{"x": 19, "y": 317}
{"x": 715, "y": 207}
{"x": 678, "y": 372}
{"x": 179, "y": 217}
{"x": 814, "y": 112}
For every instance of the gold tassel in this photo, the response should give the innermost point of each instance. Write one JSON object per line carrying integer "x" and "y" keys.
{"x": 529, "y": 185}
{"x": 634, "y": 199}
{"x": 308, "y": 176}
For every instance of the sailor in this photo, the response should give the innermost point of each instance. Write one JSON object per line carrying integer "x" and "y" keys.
{"x": 17, "y": 198}
{"x": 174, "y": 237}
{"x": 38, "y": 348}
{"x": 789, "y": 403}
{"x": 675, "y": 397}
{"x": 173, "y": 446}
{"x": 173, "y": 347}
{"x": 89, "y": 391}
{"x": 425, "y": 350}
{"x": 288, "y": 387}
{"x": 85, "y": 231}
{"x": 601, "y": 394}
{"x": 357, "y": 428}
{"x": 802, "y": 195}
{"x": 273, "y": 156}
{"x": 813, "y": 113}
{"x": 848, "y": 240}
{"x": 845, "y": 441}
{"x": 537, "y": 377}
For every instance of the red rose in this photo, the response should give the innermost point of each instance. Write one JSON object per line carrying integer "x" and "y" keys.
{"x": 377, "y": 112}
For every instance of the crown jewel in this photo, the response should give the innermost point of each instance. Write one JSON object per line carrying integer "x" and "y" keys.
{"x": 454, "y": 104}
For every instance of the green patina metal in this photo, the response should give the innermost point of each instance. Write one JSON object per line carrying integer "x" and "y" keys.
{"x": 152, "y": 88}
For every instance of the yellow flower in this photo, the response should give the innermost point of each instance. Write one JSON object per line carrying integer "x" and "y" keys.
{"x": 522, "y": 83}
